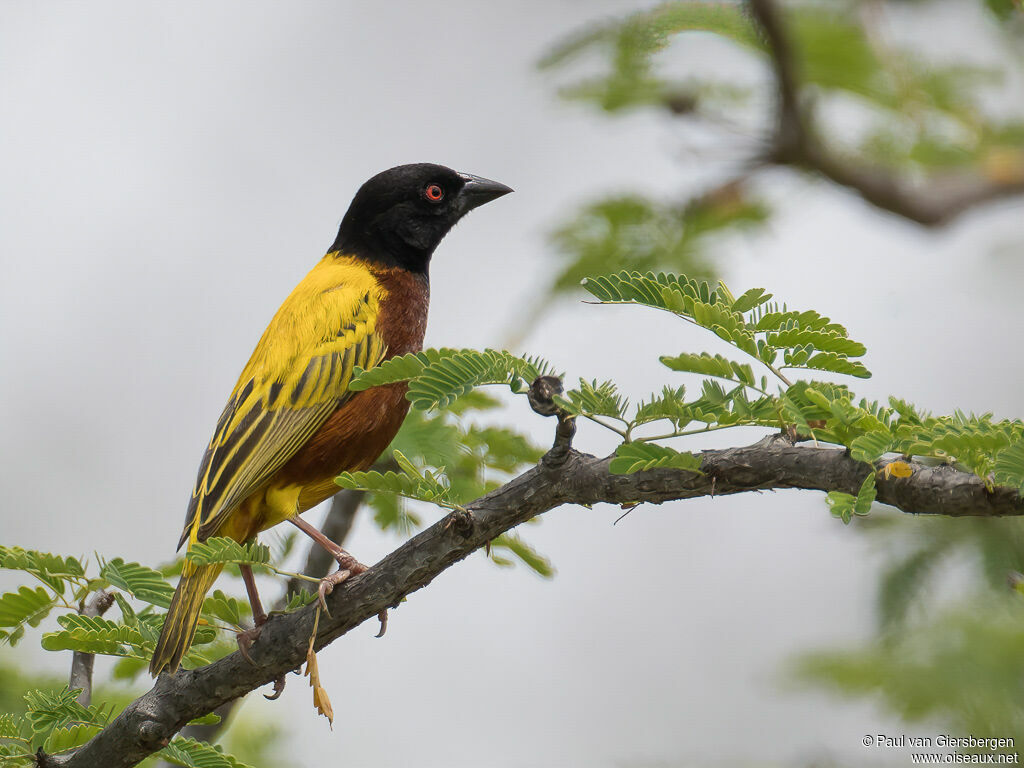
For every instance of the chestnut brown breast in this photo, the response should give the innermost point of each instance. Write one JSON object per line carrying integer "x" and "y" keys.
{"x": 356, "y": 434}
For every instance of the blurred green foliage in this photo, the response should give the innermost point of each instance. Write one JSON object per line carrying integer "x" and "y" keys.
{"x": 917, "y": 117}
{"x": 960, "y": 669}
{"x": 645, "y": 234}
{"x": 949, "y": 655}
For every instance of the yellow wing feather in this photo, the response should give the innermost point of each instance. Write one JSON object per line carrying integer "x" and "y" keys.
{"x": 297, "y": 376}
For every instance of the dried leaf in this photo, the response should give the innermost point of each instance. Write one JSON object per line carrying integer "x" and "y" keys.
{"x": 321, "y": 700}
{"x": 897, "y": 469}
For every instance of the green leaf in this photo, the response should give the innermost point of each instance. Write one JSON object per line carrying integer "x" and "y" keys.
{"x": 865, "y": 496}
{"x": 845, "y": 506}
{"x": 27, "y": 606}
{"x": 631, "y": 44}
{"x": 501, "y": 449}
{"x": 808, "y": 320}
{"x": 198, "y": 754}
{"x": 393, "y": 512}
{"x": 525, "y": 553}
{"x": 711, "y": 365}
{"x": 16, "y": 756}
{"x": 400, "y": 368}
{"x": 670, "y": 405}
{"x": 299, "y": 599}
{"x": 751, "y": 298}
{"x": 723, "y": 322}
{"x": 711, "y": 309}
{"x": 129, "y": 668}
{"x": 835, "y": 341}
{"x": 974, "y": 442}
{"x": 660, "y": 23}
{"x": 224, "y": 550}
{"x": 411, "y": 482}
{"x": 842, "y": 505}
{"x": 141, "y": 582}
{"x": 830, "y": 361}
{"x": 57, "y": 709}
{"x": 64, "y": 738}
{"x": 1008, "y": 468}
{"x": 437, "y": 378}
{"x": 642, "y": 234}
{"x": 226, "y": 608}
{"x": 594, "y": 399}
{"x": 12, "y": 726}
{"x": 661, "y": 291}
{"x": 55, "y": 570}
{"x": 871, "y": 446}
{"x": 907, "y": 412}
{"x": 637, "y": 457}
{"x": 443, "y": 382}
{"x": 94, "y": 634}
{"x": 210, "y": 718}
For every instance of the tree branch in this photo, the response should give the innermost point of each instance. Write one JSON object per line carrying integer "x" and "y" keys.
{"x": 82, "y": 663}
{"x": 150, "y": 721}
{"x": 794, "y": 143}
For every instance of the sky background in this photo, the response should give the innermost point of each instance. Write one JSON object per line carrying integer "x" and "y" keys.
{"x": 169, "y": 172}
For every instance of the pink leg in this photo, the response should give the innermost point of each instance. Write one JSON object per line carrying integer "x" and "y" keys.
{"x": 347, "y": 566}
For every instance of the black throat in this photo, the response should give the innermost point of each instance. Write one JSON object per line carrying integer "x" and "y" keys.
{"x": 386, "y": 241}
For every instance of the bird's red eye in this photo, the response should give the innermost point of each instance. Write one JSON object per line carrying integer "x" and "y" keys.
{"x": 433, "y": 192}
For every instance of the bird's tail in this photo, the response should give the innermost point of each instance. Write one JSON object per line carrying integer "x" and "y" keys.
{"x": 182, "y": 617}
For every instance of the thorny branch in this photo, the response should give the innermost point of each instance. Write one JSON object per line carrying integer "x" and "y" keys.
{"x": 563, "y": 476}
{"x": 795, "y": 143}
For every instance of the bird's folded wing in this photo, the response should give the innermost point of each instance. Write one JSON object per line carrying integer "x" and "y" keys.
{"x": 297, "y": 377}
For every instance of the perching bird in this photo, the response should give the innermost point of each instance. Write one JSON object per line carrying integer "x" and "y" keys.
{"x": 291, "y": 423}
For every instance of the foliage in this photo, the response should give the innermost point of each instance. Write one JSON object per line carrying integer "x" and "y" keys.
{"x": 197, "y": 754}
{"x": 919, "y": 118}
{"x": 935, "y": 671}
{"x": 222, "y": 550}
{"x": 438, "y": 377}
{"x": 920, "y": 114}
{"x": 774, "y": 339}
{"x": 646, "y": 234}
{"x": 410, "y": 482}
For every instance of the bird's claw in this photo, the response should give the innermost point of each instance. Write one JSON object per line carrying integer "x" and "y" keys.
{"x": 328, "y": 583}
{"x": 278, "y": 688}
{"x": 383, "y": 617}
{"x": 246, "y": 639}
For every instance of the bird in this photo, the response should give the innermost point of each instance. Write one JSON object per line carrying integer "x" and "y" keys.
{"x": 291, "y": 423}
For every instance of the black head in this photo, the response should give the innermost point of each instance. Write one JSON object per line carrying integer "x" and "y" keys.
{"x": 398, "y": 217}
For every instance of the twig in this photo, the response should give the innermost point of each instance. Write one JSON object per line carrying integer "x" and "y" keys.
{"x": 82, "y": 663}
{"x": 794, "y": 143}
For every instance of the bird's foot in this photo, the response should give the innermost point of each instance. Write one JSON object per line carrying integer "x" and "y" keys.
{"x": 327, "y": 585}
{"x": 248, "y": 637}
{"x": 348, "y": 566}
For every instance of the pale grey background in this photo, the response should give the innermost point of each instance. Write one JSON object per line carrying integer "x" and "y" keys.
{"x": 169, "y": 171}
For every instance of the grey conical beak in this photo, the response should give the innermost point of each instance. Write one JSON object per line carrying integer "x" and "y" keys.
{"x": 478, "y": 190}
